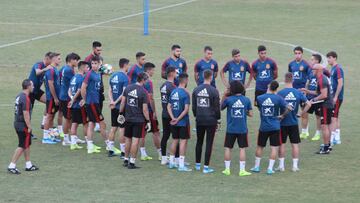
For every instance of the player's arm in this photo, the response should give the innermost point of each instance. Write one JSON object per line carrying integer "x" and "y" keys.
{"x": 249, "y": 70}
{"x": 163, "y": 69}
{"x": 222, "y": 75}
{"x": 323, "y": 94}
{"x": 216, "y": 105}
{"x": 216, "y": 70}
{"x": 183, "y": 113}
{"x": 250, "y": 113}
{"x": 288, "y": 109}
{"x": 193, "y": 98}
{"x": 254, "y": 70}
{"x": 170, "y": 111}
{"x": 39, "y": 71}
{"x": 26, "y": 113}
{"x": 83, "y": 92}
{"x": 52, "y": 88}
{"x": 275, "y": 70}
{"x": 146, "y": 111}
{"x": 339, "y": 87}
{"x": 306, "y": 108}
{"x": 223, "y": 98}
{"x": 122, "y": 104}
{"x": 196, "y": 72}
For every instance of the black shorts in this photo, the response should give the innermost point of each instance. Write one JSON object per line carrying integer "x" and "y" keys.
{"x": 114, "y": 115}
{"x": 336, "y": 110}
{"x": 325, "y": 115}
{"x": 154, "y": 123}
{"x": 313, "y": 109}
{"x": 230, "y": 138}
{"x": 24, "y": 138}
{"x": 78, "y": 115}
{"x": 274, "y": 137}
{"x": 36, "y": 96}
{"x": 180, "y": 132}
{"x": 51, "y": 108}
{"x": 65, "y": 110}
{"x": 94, "y": 113}
{"x": 136, "y": 130}
{"x": 292, "y": 132}
{"x": 258, "y": 93}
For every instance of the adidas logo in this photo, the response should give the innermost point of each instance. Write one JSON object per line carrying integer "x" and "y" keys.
{"x": 115, "y": 79}
{"x": 175, "y": 96}
{"x": 163, "y": 89}
{"x": 133, "y": 94}
{"x": 238, "y": 104}
{"x": 267, "y": 102}
{"x": 203, "y": 93}
{"x": 290, "y": 96}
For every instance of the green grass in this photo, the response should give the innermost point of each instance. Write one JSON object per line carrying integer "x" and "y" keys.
{"x": 67, "y": 176}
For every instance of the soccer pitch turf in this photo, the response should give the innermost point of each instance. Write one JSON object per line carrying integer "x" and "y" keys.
{"x": 67, "y": 176}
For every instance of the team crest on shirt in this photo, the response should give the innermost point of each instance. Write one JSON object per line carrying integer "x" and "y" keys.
{"x": 180, "y": 65}
{"x": 212, "y": 66}
{"x": 242, "y": 68}
{"x": 301, "y": 68}
{"x": 267, "y": 66}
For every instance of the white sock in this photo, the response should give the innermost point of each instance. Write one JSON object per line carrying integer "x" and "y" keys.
{"x": 12, "y": 165}
{"x": 43, "y": 120}
{"x": 205, "y": 167}
{"x": 257, "y": 161}
{"x": 97, "y": 125}
{"x": 73, "y": 139}
{"x": 86, "y": 138}
{"x": 122, "y": 147}
{"x": 110, "y": 145}
{"x": 305, "y": 130}
{"x": 143, "y": 152}
{"x": 46, "y": 134}
{"x": 159, "y": 152}
{"x": 337, "y": 134}
{"x": 318, "y": 132}
{"x": 242, "y": 165}
{"x": 60, "y": 128}
{"x": 172, "y": 159}
{"x": 295, "y": 163}
{"x": 282, "y": 162}
{"x": 163, "y": 159}
{"x": 181, "y": 161}
{"x": 28, "y": 164}
{"x": 90, "y": 144}
{"x": 132, "y": 160}
{"x": 227, "y": 164}
{"x": 271, "y": 164}
{"x": 66, "y": 138}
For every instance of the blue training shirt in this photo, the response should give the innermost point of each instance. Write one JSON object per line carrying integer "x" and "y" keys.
{"x": 37, "y": 79}
{"x": 294, "y": 98}
{"x": 337, "y": 73}
{"x": 118, "y": 82}
{"x": 178, "y": 99}
{"x": 93, "y": 80}
{"x": 265, "y": 72}
{"x": 52, "y": 75}
{"x": 67, "y": 73}
{"x": 75, "y": 84}
{"x": 269, "y": 106}
{"x": 237, "y": 71}
{"x": 203, "y": 65}
{"x": 301, "y": 71}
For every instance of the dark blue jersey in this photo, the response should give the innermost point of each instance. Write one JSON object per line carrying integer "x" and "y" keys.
{"x": 269, "y": 106}
{"x": 301, "y": 71}
{"x": 203, "y": 65}
{"x": 75, "y": 85}
{"x": 179, "y": 64}
{"x": 294, "y": 98}
{"x": 148, "y": 86}
{"x": 206, "y": 105}
{"x": 52, "y": 75}
{"x": 93, "y": 81}
{"x": 265, "y": 72}
{"x": 66, "y": 73}
{"x": 133, "y": 73}
{"x": 165, "y": 90}
{"x": 179, "y": 98}
{"x": 237, "y": 71}
{"x": 337, "y": 73}
{"x": 118, "y": 82}
{"x": 37, "y": 79}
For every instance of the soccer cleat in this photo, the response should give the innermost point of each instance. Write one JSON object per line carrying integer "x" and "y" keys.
{"x": 122, "y": 155}
{"x": 280, "y": 169}
{"x": 132, "y": 166}
{"x": 197, "y": 167}
{"x": 316, "y": 137}
{"x": 270, "y": 171}
{"x": 66, "y": 143}
{"x": 208, "y": 170}
{"x": 184, "y": 169}
{"x": 97, "y": 147}
{"x": 55, "y": 139}
{"x": 32, "y": 168}
{"x": 33, "y": 137}
{"x": 294, "y": 169}
{"x": 146, "y": 158}
{"x": 75, "y": 147}
{"x": 126, "y": 163}
{"x": 80, "y": 141}
{"x": 304, "y": 135}
{"x": 171, "y": 166}
{"x": 48, "y": 141}
{"x": 226, "y": 172}
{"x": 14, "y": 171}
{"x": 323, "y": 150}
{"x": 93, "y": 150}
{"x": 61, "y": 135}
{"x": 117, "y": 151}
{"x": 255, "y": 169}
{"x": 244, "y": 173}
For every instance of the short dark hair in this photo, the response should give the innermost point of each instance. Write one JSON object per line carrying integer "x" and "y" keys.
{"x": 317, "y": 57}
{"x": 261, "y": 48}
{"x": 183, "y": 77}
{"x": 208, "y": 74}
{"x": 332, "y": 54}
{"x": 288, "y": 77}
{"x": 123, "y": 62}
{"x": 82, "y": 63}
{"x": 175, "y": 46}
{"x": 139, "y": 54}
{"x": 170, "y": 69}
{"x": 96, "y": 58}
{"x": 48, "y": 54}
{"x": 53, "y": 54}
{"x": 235, "y": 52}
{"x": 148, "y": 66}
{"x": 142, "y": 77}
{"x": 25, "y": 84}
{"x": 208, "y": 48}
{"x": 236, "y": 87}
{"x": 72, "y": 56}
{"x": 96, "y": 44}
{"x": 299, "y": 48}
{"x": 274, "y": 85}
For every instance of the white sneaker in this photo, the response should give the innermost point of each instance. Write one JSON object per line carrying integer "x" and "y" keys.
{"x": 80, "y": 141}
{"x": 294, "y": 169}
{"x": 280, "y": 169}
{"x": 164, "y": 160}
{"x": 66, "y": 143}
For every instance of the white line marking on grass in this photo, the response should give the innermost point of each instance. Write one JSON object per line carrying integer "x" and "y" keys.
{"x": 93, "y": 24}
